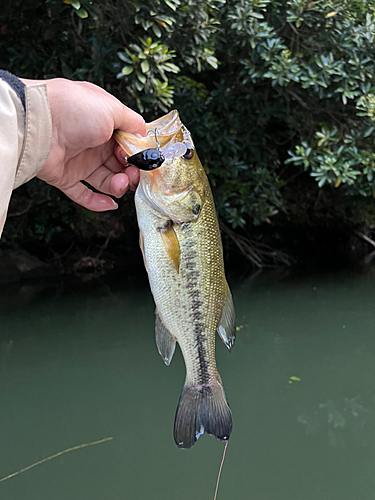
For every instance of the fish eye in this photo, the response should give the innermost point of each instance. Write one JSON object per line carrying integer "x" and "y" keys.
{"x": 189, "y": 154}
{"x": 196, "y": 209}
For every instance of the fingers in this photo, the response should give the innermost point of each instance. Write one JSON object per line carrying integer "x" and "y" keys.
{"x": 112, "y": 163}
{"x": 112, "y": 178}
{"x": 121, "y": 155}
{"x": 133, "y": 176}
{"x": 131, "y": 172}
{"x": 92, "y": 201}
{"x": 116, "y": 163}
{"x": 108, "y": 182}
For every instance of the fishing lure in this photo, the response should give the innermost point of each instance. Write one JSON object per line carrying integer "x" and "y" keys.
{"x": 152, "y": 158}
{"x": 148, "y": 159}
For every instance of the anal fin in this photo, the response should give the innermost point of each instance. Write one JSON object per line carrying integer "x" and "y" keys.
{"x": 227, "y": 325}
{"x": 165, "y": 342}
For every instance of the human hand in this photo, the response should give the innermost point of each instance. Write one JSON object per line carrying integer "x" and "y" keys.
{"x": 84, "y": 117}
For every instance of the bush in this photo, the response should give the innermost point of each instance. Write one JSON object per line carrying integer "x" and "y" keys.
{"x": 268, "y": 88}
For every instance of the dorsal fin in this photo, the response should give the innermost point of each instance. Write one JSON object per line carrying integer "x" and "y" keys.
{"x": 164, "y": 340}
{"x": 227, "y": 325}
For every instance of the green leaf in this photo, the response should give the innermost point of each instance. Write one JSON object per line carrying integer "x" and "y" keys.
{"x": 82, "y": 13}
{"x": 171, "y": 67}
{"x": 170, "y": 4}
{"x": 156, "y": 30}
{"x": 145, "y": 66}
{"x": 212, "y": 61}
{"x": 141, "y": 77}
{"x": 124, "y": 57}
{"x": 139, "y": 86}
{"x": 257, "y": 15}
{"x": 127, "y": 70}
{"x": 76, "y": 4}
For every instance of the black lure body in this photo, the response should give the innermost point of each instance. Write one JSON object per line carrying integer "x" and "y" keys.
{"x": 149, "y": 159}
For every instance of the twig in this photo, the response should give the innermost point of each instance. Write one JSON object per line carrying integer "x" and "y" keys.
{"x": 57, "y": 256}
{"x": 364, "y": 237}
{"x": 259, "y": 254}
{"x": 30, "y": 205}
{"x": 294, "y": 29}
{"x": 104, "y": 246}
{"x": 21, "y": 212}
{"x": 297, "y": 98}
{"x": 55, "y": 456}
{"x": 244, "y": 246}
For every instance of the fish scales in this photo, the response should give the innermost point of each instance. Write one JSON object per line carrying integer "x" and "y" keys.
{"x": 181, "y": 244}
{"x": 197, "y": 292}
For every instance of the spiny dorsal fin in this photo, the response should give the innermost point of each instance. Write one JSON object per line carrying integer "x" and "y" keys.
{"x": 171, "y": 245}
{"x": 227, "y": 325}
{"x": 164, "y": 340}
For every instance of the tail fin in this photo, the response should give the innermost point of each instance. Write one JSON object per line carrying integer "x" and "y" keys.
{"x": 202, "y": 409}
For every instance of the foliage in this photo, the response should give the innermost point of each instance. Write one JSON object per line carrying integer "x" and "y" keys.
{"x": 268, "y": 88}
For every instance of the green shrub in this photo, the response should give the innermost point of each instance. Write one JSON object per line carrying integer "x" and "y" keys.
{"x": 268, "y": 88}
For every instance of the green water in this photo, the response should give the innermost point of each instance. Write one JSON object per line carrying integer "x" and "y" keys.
{"x": 80, "y": 365}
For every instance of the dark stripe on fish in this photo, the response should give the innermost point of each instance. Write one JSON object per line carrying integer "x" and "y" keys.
{"x": 192, "y": 275}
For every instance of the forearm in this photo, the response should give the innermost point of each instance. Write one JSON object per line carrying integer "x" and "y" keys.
{"x": 25, "y": 135}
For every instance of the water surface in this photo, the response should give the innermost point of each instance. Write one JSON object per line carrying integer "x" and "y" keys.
{"x": 80, "y": 364}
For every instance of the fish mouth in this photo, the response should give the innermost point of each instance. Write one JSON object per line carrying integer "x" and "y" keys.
{"x": 162, "y": 133}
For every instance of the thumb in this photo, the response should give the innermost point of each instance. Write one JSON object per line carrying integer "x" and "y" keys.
{"x": 127, "y": 120}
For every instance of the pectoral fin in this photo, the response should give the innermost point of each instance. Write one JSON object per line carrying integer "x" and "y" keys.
{"x": 164, "y": 340}
{"x": 171, "y": 245}
{"x": 227, "y": 325}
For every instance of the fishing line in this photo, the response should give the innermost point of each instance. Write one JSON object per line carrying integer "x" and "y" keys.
{"x": 55, "y": 456}
{"x": 221, "y": 466}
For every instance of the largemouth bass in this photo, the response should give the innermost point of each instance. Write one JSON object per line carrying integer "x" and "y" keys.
{"x": 182, "y": 251}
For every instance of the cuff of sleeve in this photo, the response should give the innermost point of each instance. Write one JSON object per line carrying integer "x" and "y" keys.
{"x": 38, "y": 134}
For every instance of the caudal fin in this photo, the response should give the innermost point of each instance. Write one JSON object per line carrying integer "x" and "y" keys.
{"x": 202, "y": 409}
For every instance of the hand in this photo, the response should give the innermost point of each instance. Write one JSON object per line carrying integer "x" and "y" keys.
{"x": 84, "y": 117}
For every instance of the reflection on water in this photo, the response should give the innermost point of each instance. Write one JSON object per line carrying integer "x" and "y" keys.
{"x": 79, "y": 365}
{"x": 342, "y": 421}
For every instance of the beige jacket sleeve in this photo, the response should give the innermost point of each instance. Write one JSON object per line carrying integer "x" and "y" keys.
{"x": 25, "y": 139}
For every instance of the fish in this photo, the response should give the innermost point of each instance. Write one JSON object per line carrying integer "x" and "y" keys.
{"x": 182, "y": 251}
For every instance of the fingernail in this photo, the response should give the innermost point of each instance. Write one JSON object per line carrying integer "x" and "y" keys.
{"x": 122, "y": 154}
{"x": 115, "y": 206}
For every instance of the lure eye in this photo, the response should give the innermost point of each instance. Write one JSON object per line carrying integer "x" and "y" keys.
{"x": 189, "y": 154}
{"x": 149, "y": 159}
